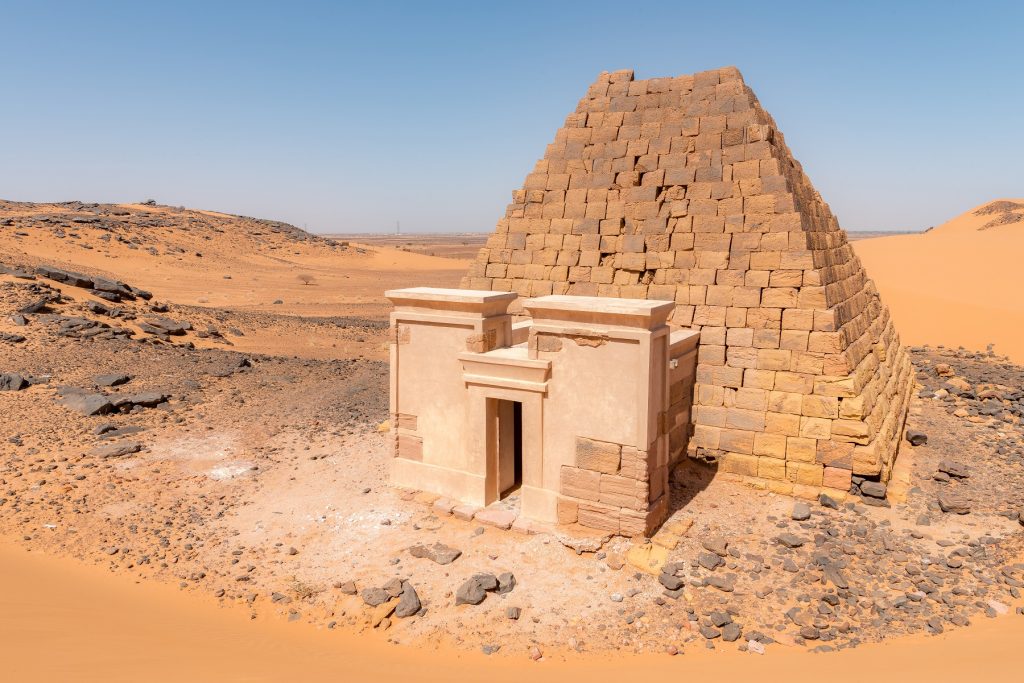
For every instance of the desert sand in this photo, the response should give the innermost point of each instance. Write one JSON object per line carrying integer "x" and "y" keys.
{"x": 64, "y": 621}
{"x": 174, "y": 560}
{"x": 958, "y": 284}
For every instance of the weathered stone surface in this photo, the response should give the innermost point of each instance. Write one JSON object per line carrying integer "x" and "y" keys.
{"x": 496, "y": 517}
{"x": 437, "y": 552}
{"x": 409, "y": 602}
{"x": 116, "y": 450}
{"x": 801, "y": 511}
{"x": 374, "y": 596}
{"x": 87, "y": 404}
{"x": 111, "y": 380}
{"x": 954, "y": 469}
{"x": 506, "y": 583}
{"x": 954, "y": 504}
{"x": 12, "y": 381}
{"x": 789, "y": 540}
{"x": 916, "y": 438}
{"x": 474, "y": 590}
{"x": 874, "y": 489}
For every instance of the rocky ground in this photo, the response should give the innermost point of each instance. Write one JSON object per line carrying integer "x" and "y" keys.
{"x": 134, "y": 434}
{"x": 262, "y": 480}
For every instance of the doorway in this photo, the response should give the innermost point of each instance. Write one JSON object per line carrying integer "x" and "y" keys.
{"x": 509, "y": 447}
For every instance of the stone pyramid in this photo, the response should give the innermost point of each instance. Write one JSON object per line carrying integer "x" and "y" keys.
{"x": 683, "y": 189}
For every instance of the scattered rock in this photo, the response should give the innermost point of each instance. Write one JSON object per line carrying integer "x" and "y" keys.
{"x": 954, "y": 469}
{"x": 506, "y": 582}
{"x": 873, "y": 489}
{"x": 116, "y": 450}
{"x": 114, "y": 380}
{"x": 374, "y": 596}
{"x": 801, "y": 511}
{"x": 87, "y": 404}
{"x": 474, "y": 590}
{"x": 438, "y": 552}
{"x": 790, "y": 540}
{"x": 953, "y": 503}
{"x": 409, "y": 601}
{"x": 717, "y": 545}
{"x": 12, "y": 381}
{"x": 916, "y": 438}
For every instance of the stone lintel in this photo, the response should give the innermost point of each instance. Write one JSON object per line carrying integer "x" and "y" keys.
{"x": 482, "y": 302}
{"x": 638, "y": 313}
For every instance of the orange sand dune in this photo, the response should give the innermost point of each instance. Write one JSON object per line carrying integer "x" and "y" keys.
{"x": 957, "y": 284}
{"x": 65, "y": 621}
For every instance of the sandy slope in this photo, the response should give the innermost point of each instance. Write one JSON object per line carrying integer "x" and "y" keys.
{"x": 112, "y": 630}
{"x": 219, "y": 263}
{"x": 957, "y": 284}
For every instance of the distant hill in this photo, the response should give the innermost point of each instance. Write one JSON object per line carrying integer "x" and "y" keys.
{"x": 987, "y": 216}
{"x": 151, "y": 227}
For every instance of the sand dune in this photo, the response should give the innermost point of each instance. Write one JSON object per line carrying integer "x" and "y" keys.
{"x": 959, "y": 284}
{"x": 112, "y": 630}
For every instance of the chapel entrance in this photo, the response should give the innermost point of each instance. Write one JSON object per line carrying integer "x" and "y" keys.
{"x": 509, "y": 446}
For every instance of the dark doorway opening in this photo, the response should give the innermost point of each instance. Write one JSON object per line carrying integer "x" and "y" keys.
{"x": 510, "y": 447}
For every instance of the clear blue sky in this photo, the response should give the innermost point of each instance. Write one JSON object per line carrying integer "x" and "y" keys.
{"x": 349, "y": 116}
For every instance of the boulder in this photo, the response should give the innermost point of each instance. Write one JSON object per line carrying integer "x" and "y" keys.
{"x": 409, "y": 601}
{"x": 954, "y": 469}
{"x": 65, "y": 276}
{"x": 801, "y": 511}
{"x": 12, "y": 381}
{"x": 146, "y": 399}
{"x": 953, "y": 504}
{"x": 789, "y": 540}
{"x": 474, "y": 590}
{"x": 116, "y": 450}
{"x": 916, "y": 438}
{"x": 87, "y": 404}
{"x": 374, "y": 596}
{"x": 506, "y": 582}
{"x": 438, "y": 552}
{"x": 717, "y": 545}
{"x": 670, "y": 581}
{"x": 470, "y": 593}
{"x": 100, "y": 284}
{"x": 112, "y": 380}
{"x": 168, "y": 326}
{"x": 874, "y": 489}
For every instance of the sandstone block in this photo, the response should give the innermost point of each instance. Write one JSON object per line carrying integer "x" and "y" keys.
{"x": 771, "y": 468}
{"x": 567, "y": 511}
{"x": 803, "y": 473}
{"x": 577, "y": 483}
{"x": 836, "y": 478}
{"x": 599, "y": 456}
{"x": 801, "y": 449}
{"x": 735, "y": 463}
{"x": 598, "y": 517}
{"x": 770, "y": 445}
{"x": 623, "y": 492}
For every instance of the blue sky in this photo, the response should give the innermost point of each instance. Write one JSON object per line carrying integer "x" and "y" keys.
{"x": 347, "y": 117}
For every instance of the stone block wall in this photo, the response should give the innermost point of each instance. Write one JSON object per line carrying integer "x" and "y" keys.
{"x": 683, "y": 189}
{"x": 612, "y": 488}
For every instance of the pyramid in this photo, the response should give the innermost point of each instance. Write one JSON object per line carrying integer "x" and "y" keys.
{"x": 683, "y": 189}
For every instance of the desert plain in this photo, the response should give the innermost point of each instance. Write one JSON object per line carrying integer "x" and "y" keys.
{"x": 193, "y": 480}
